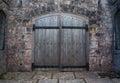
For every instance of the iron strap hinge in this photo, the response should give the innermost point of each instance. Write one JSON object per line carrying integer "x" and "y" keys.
{"x": 63, "y": 27}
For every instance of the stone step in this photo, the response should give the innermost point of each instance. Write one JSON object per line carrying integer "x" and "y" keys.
{"x": 18, "y": 81}
{"x": 115, "y": 80}
{"x": 43, "y": 81}
{"x": 98, "y": 80}
{"x": 72, "y": 81}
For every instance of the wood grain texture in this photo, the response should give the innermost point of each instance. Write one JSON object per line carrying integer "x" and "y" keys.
{"x": 73, "y": 47}
{"x": 46, "y": 47}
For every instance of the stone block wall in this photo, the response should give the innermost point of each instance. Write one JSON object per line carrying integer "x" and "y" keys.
{"x": 19, "y": 30}
{"x": 3, "y": 62}
{"x": 102, "y": 37}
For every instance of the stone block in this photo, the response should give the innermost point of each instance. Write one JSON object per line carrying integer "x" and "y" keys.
{"x": 28, "y": 45}
{"x": 43, "y": 75}
{"x": 115, "y": 80}
{"x": 3, "y": 62}
{"x": 48, "y": 81}
{"x": 28, "y": 53}
{"x": 27, "y": 60}
{"x": 72, "y": 81}
{"x": 18, "y": 75}
{"x": 94, "y": 44}
{"x": 99, "y": 80}
{"x": 67, "y": 2}
{"x": 64, "y": 75}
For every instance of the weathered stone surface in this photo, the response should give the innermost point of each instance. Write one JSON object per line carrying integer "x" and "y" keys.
{"x": 2, "y": 62}
{"x": 48, "y": 77}
{"x": 115, "y": 80}
{"x": 79, "y": 75}
{"x": 19, "y": 75}
{"x": 18, "y": 81}
{"x": 72, "y": 81}
{"x": 48, "y": 81}
{"x": 28, "y": 81}
{"x": 99, "y": 80}
{"x": 64, "y": 75}
{"x": 43, "y": 75}
{"x": 9, "y": 81}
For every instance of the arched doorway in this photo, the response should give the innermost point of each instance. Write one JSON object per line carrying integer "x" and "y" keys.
{"x": 2, "y": 29}
{"x": 60, "y": 41}
{"x": 116, "y": 55}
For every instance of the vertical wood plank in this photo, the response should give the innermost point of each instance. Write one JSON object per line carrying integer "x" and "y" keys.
{"x": 84, "y": 47}
{"x": 73, "y": 49}
{"x": 46, "y": 47}
{"x": 35, "y": 49}
{"x": 38, "y": 44}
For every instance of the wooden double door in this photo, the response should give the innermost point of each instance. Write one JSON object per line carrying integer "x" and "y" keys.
{"x": 60, "y": 47}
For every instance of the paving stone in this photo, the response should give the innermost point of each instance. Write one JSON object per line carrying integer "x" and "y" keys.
{"x": 115, "y": 80}
{"x": 48, "y": 81}
{"x": 9, "y": 81}
{"x": 11, "y": 75}
{"x": 19, "y": 75}
{"x": 63, "y": 75}
{"x": 26, "y": 75}
{"x": 43, "y": 75}
{"x": 98, "y": 80}
{"x": 79, "y": 75}
{"x": 72, "y": 81}
{"x": 34, "y": 81}
{"x": 28, "y": 81}
{"x": 54, "y": 77}
{"x": 18, "y": 81}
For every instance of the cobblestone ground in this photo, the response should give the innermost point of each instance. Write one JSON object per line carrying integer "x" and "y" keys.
{"x": 55, "y": 77}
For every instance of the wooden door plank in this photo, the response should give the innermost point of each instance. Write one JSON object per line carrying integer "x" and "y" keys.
{"x": 84, "y": 46}
{"x": 35, "y": 46}
{"x": 38, "y": 43}
{"x": 73, "y": 47}
{"x": 47, "y": 47}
